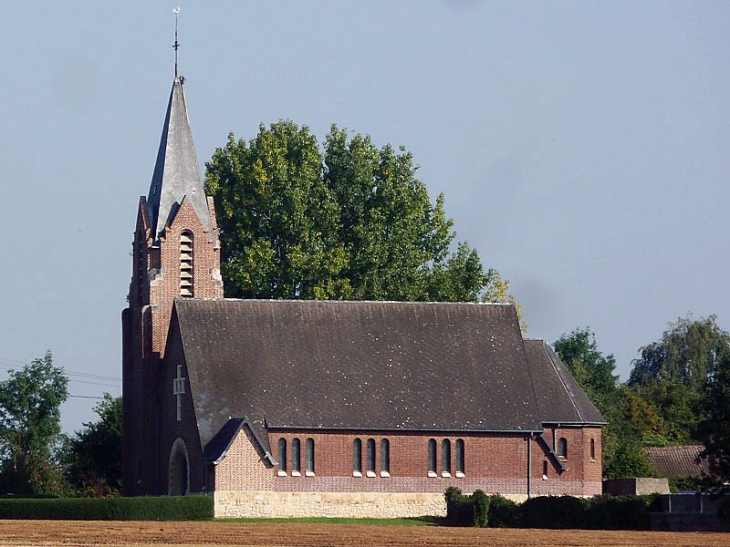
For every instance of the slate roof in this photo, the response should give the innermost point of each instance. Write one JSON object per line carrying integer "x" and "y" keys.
{"x": 335, "y": 365}
{"x": 677, "y": 461}
{"x": 559, "y": 397}
{"x": 176, "y": 173}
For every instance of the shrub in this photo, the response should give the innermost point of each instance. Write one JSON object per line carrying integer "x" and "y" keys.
{"x": 503, "y": 513}
{"x": 459, "y": 510}
{"x": 561, "y": 512}
{"x": 144, "y": 508}
{"x": 480, "y": 502}
{"x": 620, "y": 513}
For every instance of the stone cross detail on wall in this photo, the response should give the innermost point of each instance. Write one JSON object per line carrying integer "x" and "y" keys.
{"x": 178, "y": 389}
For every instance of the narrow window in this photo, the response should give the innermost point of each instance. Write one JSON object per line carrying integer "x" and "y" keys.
{"x": 445, "y": 458}
{"x": 371, "y": 457}
{"x": 186, "y": 264}
{"x": 385, "y": 458}
{"x": 282, "y": 457}
{"x": 460, "y": 458}
{"x": 563, "y": 448}
{"x": 431, "y": 458}
{"x": 357, "y": 458}
{"x": 310, "y": 457}
{"x": 296, "y": 470}
{"x": 593, "y": 449}
{"x": 544, "y": 470}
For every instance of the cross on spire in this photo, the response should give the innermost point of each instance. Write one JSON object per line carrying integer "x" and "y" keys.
{"x": 176, "y": 45}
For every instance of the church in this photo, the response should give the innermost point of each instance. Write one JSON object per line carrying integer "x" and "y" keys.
{"x": 282, "y": 408}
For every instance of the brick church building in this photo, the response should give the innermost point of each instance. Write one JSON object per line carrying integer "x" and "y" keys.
{"x": 327, "y": 408}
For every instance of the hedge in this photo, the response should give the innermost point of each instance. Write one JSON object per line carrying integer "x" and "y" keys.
{"x": 143, "y": 508}
{"x": 557, "y": 512}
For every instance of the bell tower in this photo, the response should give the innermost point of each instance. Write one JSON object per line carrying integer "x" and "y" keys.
{"x": 176, "y": 254}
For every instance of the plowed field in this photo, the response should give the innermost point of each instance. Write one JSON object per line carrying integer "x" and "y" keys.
{"x": 139, "y": 534}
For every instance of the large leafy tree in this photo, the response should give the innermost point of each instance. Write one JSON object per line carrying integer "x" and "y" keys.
{"x": 714, "y": 429}
{"x": 30, "y": 429}
{"x": 671, "y": 373}
{"x": 622, "y": 448}
{"x": 94, "y": 454}
{"x": 349, "y": 222}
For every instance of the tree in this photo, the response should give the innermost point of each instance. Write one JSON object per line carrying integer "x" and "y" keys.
{"x": 94, "y": 454}
{"x": 622, "y": 448}
{"x": 714, "y": 428}
{"x": 687, "y": 352}
{"x": 351, "y": 222}
{"x": 590, "y": 368}
{"x": 30, "y": 428}
{"x": 671, "y": 374}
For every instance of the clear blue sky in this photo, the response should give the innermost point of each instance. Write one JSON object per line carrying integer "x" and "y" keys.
{"x": 582, "y": 147}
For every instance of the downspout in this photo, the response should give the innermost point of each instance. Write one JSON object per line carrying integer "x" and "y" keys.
{"x": 529, "y": 466}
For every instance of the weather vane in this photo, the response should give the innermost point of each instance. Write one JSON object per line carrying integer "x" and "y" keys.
{"x": 176, "y": 45}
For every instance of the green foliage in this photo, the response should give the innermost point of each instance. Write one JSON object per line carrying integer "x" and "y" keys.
{"x": 596, "y": 375}
{"x": 30, "y": 428}
{"x": 553, "y": 512}
{"x": 503, "y": 513}
{"x": 459, "y": 508}
{"x": 623, "y": 513}
{"x": 480, "y": 502}
{"x": 143, "y": 508}
{"x": 94, "y": 455}
{"x": 349, "y": 222}
{"x": 714, "y": 429}
{"x": 671, "y": 373}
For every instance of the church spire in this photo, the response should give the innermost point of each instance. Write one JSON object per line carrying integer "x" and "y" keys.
{"x": 177, "y": 174}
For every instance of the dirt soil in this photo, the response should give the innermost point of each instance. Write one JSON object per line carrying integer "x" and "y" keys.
{"x": 140, "y": 534}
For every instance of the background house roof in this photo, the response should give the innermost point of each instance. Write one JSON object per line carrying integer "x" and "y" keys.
{"x": 356, "y": 365}
{"x": 677, "y": 461}
{"x": 559, "y": 397}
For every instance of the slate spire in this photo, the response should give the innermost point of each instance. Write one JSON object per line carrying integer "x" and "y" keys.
{"x": 176, "y": 174}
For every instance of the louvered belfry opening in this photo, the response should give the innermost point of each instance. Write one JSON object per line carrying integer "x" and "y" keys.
{"x": 186, "y": 265}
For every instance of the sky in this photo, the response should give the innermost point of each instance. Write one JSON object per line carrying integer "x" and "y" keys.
{"x": 582, "y": 148}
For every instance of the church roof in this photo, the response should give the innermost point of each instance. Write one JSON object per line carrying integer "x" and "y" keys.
{"x": 559, "y": 397}
{"x": 332, "y": 365}
{"x": 176, "y": 173}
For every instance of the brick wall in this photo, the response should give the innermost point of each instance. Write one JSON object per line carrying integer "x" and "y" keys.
{"x": 154, "y": 286}
{"x": 494, "y": 463}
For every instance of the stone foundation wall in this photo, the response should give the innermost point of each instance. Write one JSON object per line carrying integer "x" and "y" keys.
{"x": 327, "y": 504}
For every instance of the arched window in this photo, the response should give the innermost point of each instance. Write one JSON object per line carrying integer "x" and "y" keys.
{"x": 563, "y": 448}
{"x": 282, "y": 456}
{"x": 593, "y": 449}
{"x": 186, "y": 264}
{"x": 310, "y": 457}
{"x": 446, "y": 458}
{"x": 460, "y": 458}
{"x": 357, "y": 458}
{"x": 371, "y": 457}
{"x": 296, "y": 458}
{"x": 431, "y": 458}
{"x": 385, "y": 458}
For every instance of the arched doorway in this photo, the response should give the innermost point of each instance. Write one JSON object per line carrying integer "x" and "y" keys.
{"x": 178, "y": 469}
